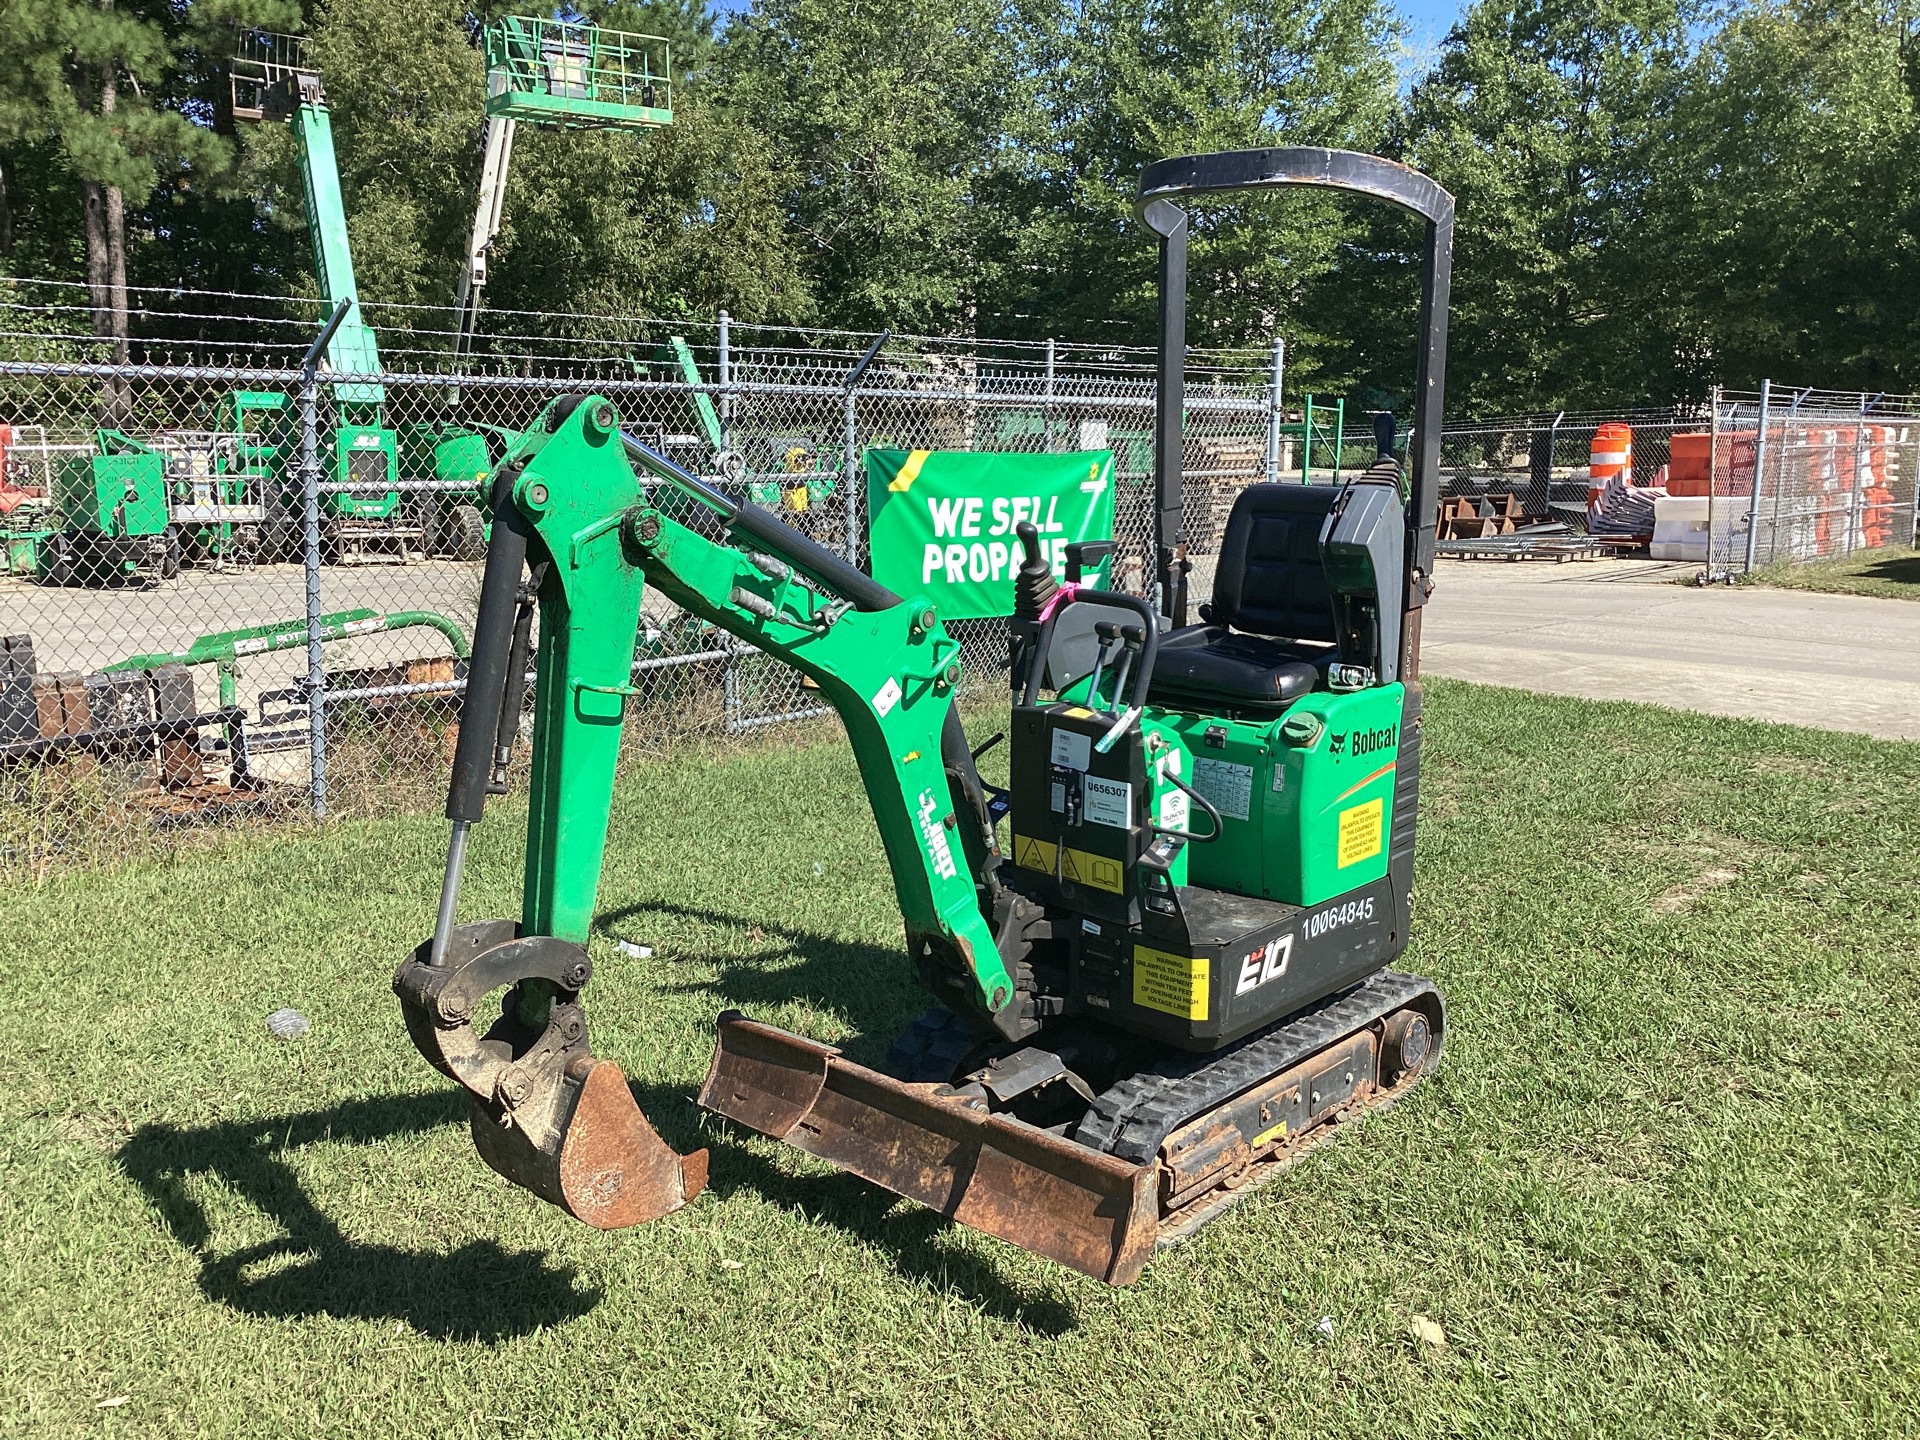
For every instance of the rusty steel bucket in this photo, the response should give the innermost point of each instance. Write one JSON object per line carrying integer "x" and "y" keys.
{"x": 543, "y": 1110}
{"x": 1046, "y": 1194}
{"x": 601, "y": 1162}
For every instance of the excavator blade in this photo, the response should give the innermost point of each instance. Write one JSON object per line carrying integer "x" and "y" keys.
{"x": 609, "y": 1168}
{"x": 1046, "y": 1194}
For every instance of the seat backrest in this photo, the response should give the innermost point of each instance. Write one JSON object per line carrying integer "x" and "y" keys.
{"x": 1270, "y": 580}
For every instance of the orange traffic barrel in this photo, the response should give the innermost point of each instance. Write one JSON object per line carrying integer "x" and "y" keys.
{"x": 1610, "y": 457}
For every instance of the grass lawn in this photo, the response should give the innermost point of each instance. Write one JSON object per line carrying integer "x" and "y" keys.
{"x": 1892, "y": 574}
{"x": 1664, "y": 1184}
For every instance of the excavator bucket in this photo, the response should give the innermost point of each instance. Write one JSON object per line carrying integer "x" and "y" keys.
{"x": 1043, "y": 1193}
{"x": 607, "y": 1167}
{"x": 544, "y": 1112}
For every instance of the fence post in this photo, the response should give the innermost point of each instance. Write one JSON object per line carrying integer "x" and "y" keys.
{"x": 1050, "y": 393}
{"x": 850, "y": 460}
{"x": 1713, "y": 463}
{"x": 310, "y": 556}
{"x": 1854, "y": 490}
{"x": 726, "y": 381}
{"x": 1273, "y": 409}
{"x": 1759, "y": 469}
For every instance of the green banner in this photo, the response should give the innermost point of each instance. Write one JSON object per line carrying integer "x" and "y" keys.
{"x": 941, "y": 522}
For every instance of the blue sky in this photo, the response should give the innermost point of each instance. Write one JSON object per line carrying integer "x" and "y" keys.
{"x": 1429, "y": 19}
{"x": 1427, "y": 25}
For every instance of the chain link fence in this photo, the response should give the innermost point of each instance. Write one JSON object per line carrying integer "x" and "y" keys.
{"x": 1806, "y": 475}
{"x": 234, "y": 586}
{"x": 1749, "y": 480}
{"x": 237, "y": 587}
{"x": 1541, "y": 463}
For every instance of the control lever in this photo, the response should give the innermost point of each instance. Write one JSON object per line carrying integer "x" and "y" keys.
{"x": 1084, "y": 555}
{"x": 1034, "y": 589}
{"x": 1135, "y": 639}
{"x": 1108, "y": 634}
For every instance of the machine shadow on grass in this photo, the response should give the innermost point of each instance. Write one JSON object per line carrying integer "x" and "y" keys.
{"x": 835, "y": 974}
{"x": 478, "y": 1292}
{"x": 848, "y": 976}
{"x": 482, "y": 1291}
{"x": 1899, "y": 569}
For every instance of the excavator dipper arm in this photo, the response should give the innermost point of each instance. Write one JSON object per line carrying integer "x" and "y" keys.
{"x": 578, "y": 528}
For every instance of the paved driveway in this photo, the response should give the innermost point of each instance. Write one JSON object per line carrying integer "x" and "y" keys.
{"x": 1625, "y": 630}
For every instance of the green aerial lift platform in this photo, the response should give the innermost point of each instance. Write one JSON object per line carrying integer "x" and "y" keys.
{"x": 273, "y": 80}
{"x": 565, "y": 74}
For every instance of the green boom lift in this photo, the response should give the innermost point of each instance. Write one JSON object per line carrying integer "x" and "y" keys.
{"x": 272, "y": 80}
{"x": 565, "y": 74}
{"x": 1161, "y": 956}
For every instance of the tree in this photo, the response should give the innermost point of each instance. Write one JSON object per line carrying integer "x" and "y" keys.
{"x": 1128, "y": 82}
{"x": 882, "y": 117}
{"x": 677, "y": 222}
{"x": 94, "y": 80}
{"x": 405, "y": 88}
{"x": 1547, "y": 119}
{"x": 1790, "y": 212}
{"x": 682, "y": 221}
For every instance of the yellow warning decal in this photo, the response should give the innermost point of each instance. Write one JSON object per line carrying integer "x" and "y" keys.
{"x": 1100, "y": 871}
{"x": 909, "y": 470}
{"x": 1077, "y": 712}
{"x": 1362, "y": 832}
{"x": 1174, "y": 984}
{"x": 1278, "y": 1132}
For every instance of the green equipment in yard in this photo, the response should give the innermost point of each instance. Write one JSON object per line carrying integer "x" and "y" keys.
{"x": 272, "y": 80}
{"x": 361, "y": 451}
{"x": 1160, "y": 956}
{"x": 1319, "y": 424}
{"x": 562, "y": 73}
{"x": 779, "y": 472}
{"x": 110, "y": 517}
{"x": 225, "y": 649}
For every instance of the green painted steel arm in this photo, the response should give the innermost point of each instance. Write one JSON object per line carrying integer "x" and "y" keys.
{"x": 353, "y": 349}
{"x": 292, "y": 634}
{"x": 703, "y": 408}
{"x": 889, "y": 671}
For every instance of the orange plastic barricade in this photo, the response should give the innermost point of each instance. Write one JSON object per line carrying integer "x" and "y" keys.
{"x": 1610, "y": 456}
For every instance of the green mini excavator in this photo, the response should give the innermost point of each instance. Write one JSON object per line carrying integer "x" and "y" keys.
{"x": 1161, "y": 956}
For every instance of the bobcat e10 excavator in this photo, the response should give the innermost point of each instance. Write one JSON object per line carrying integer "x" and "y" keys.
{"x": 1161, "y": 954}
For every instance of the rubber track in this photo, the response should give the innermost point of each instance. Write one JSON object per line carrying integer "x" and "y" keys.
{"x": 1132, "y": 1118}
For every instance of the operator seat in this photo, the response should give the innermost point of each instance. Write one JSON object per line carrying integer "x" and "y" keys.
{"x": 1268, "y": 634}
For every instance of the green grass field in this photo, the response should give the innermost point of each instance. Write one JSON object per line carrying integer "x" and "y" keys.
{"x": 1664, "y": 1184}
{"x": 1891, "y": 574}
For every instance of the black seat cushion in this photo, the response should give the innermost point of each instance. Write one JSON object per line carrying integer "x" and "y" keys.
{"x": 1270, "y": 633}
{"x": 1270, "y": 580}
{"x": 1211, "y": 664}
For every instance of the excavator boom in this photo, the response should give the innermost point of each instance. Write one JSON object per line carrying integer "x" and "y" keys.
{"x": 580, "y": 531}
